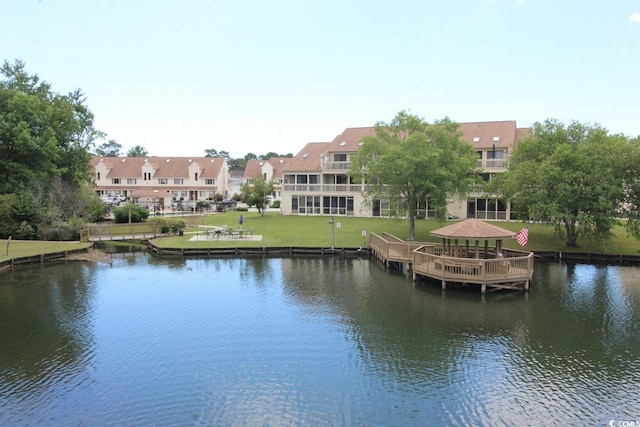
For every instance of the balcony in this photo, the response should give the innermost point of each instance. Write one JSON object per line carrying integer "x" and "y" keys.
{"x": 302, "y": 188}
{"x": 323, "y": 188}
{"x": 492, "y": 164}
{"x": 333, "y": 166}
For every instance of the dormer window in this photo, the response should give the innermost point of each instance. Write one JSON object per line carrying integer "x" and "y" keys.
{"x": 476, "y": 139}
{"x": 496, "y": 138}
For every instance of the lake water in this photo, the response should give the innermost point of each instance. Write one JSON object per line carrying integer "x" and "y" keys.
{"x": 313, "y": 342}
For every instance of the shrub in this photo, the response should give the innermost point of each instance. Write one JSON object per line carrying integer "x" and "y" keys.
{"x": 62, "y": 230}
{"x": 176, "y": 225}
{"x": 160, "y": 223}
{"x": 200, "y": 205}
{"x": 275, "y": 204}
{"x": 138, "y": 213}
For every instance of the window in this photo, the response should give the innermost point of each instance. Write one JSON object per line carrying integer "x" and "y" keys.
{"x": 486, "y": 208}
{"x": 196, "y": 176}
{"x": 342, "y": 179}
{"x": 178, "y": 181}
{"x": 131, "y": 180}
{"x": 334, "y": 205}
{"x": 305, "y": 205}
{"x": 115, "y": 181}
{"x": 209, "y": 181}
{"x": 162, "y": 181}
{"x": 98, "y": 176}
{"x": 342, "y": 157}
{"x": 147, "y": 176}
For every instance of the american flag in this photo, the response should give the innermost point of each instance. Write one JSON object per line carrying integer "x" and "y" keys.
{"x": 522, "y": 236}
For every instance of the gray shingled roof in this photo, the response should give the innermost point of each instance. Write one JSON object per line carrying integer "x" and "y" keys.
{"x": 472, "y": 229}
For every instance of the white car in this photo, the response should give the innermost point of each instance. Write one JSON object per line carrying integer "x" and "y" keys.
{"x": 112, "y": 200}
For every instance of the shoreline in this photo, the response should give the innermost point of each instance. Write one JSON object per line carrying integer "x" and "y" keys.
{"x": 94, "y": 255}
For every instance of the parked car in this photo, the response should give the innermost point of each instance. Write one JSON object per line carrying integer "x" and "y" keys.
{"x": 112, "y": 200}
{"x": 229, "y": 202}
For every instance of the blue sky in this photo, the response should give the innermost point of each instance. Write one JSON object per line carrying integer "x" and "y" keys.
{"x": 178, "y": 77}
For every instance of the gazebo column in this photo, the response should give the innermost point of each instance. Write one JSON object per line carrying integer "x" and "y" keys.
{"x": 477, "y": 248}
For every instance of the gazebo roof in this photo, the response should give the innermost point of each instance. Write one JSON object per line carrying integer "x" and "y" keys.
{"x": 472, "y": 229}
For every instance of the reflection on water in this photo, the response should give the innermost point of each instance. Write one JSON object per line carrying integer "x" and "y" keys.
{"x": 313, "y": 341}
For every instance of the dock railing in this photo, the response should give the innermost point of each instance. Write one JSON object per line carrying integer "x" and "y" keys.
{"x": 390, "y": 248}
{"x": 514, "y": 266}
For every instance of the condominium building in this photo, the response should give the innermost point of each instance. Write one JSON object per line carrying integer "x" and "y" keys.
{"x": 316, "y": 181}
{"x": 162, "y": 182}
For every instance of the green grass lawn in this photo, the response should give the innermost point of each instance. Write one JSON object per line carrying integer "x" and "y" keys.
{"x": 316, "y": 231}
{"x": 25, "y": 248}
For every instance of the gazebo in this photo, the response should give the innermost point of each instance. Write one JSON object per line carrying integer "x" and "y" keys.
{"x": 472, "y": 230}
{"x": 467, "y": 255}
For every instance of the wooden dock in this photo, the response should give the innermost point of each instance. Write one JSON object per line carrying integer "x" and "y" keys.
{"x": 390, "y": 249}
{"x": 474, "y": 265}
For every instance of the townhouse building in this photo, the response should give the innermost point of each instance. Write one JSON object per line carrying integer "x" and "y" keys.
{"x": 162, "y": 182}
{"x": 271, "y": 170}
{"x": 316, "y": 180}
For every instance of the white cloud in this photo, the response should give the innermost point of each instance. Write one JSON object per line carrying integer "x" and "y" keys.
{"x": 520, "y": 1}
{"x": 634, "y": 17}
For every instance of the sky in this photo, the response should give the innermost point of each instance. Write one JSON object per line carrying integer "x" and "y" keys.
{"x": 180, "y": 77}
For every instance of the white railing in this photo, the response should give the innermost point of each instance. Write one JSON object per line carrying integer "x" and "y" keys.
{"x": 492, "y": 164}
{"x": 328, "y": 166}
{"x": 325, "y": 188}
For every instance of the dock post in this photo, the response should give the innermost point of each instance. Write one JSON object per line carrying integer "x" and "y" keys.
{"x": 444, "y": 285}
{"x": 484, "y": 288}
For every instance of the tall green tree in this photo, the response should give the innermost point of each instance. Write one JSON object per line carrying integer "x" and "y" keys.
{"x": 137, "y": 151}
{"x": 255, "y": 195}
{"x": 111, "y": 148}
{"x": 43, "y": 134}
{"x": 409, "y": 161}
{"x": 212, "y": 152}
{"x": 631, "y": 203}
{"x": 237, "y": 164}
{"x": 45, "y": 142}
{"x": 570, "y": 176}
